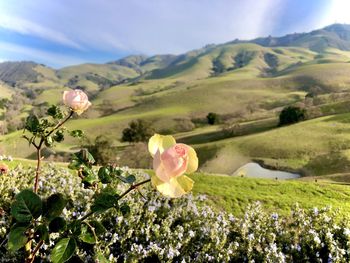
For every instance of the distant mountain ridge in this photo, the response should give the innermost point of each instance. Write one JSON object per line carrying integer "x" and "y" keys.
{"x": 336, "y": 36}
{"x": 211, "y": 60}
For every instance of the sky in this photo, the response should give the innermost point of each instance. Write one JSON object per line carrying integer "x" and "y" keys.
{"x": 67, "y": 32}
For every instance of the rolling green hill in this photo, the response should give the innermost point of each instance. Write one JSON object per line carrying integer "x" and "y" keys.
{"x": 246, "y": 82}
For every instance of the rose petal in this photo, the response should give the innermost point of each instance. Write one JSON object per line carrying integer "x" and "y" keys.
{"x": 176, "y": 187}
{"x": 174, "y": 162}
{"x": 77, "y": 100}
{"x": 160, "y": 142}
{"x": 192, "y": 164}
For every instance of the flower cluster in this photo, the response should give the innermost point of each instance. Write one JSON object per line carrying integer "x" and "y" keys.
{"x": 185, "y": 230}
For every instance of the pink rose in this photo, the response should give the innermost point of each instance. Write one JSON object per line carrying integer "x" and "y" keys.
{"x": 76, "y": 100}
{"x": 171, "y": 161}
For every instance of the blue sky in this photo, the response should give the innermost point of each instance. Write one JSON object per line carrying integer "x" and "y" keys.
{"x": 67, "y": 32}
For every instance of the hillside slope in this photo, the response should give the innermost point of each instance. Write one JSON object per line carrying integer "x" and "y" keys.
{"x": 243, "y": 82}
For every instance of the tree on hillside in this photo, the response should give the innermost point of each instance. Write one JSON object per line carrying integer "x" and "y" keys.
{"x": 291, "y": 114}
{"x": 138, "y": 131}
{"x": 102, "y": 150}
{"x": 212, "y": 118}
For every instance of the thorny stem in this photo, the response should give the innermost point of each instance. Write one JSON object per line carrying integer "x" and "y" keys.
{"x": 38, "y": 147}
{"x": 38, "y": 150}
{"x": 37, "y": 171}
{"x": 132, "y": 187}
{"x": 36, "y": 249}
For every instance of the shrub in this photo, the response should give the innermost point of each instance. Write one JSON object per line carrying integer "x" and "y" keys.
{"x": 161, "y": 229}
{"x": 291, "y": 114}
{"x": 102, "y": 150}
{"x": 138, "y": 131}
{"x": 212, "y": 118}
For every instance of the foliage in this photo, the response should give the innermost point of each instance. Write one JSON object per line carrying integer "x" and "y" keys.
{"x": 102, "y": 150}
{"x": 159, "y": 229}
{"x": 138, "y": 131}
{"x": 212, "y": 118}
{"x": 291, "y": 114}
{"x": 36, "y": 221}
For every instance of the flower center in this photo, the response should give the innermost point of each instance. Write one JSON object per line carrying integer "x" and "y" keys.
{"x": 180, "y": 150}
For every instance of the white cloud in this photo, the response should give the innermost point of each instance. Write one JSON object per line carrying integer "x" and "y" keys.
{"x": 51, "y": 58}
{"x": 337, "y": 12}
{"x": 27, "y": 27}
{"x": 135, "y": 26}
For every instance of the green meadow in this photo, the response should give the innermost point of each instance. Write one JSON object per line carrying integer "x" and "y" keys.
{"x": 246, "y": 84}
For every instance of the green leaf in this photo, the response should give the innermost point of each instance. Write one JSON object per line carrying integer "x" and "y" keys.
{"x": 103, "y": 201}
{"x": 85, "y": 156}
{"x": 98, "y": 227}
{"x": 27, "y": 206}
{"x": 87, "y": 234}
{"x": 17, "y": 237}
{"x": 90, "y": 178}
{"x": 32, "y": 123}
{"x": 77, "y": 133}
{"x": 75, "y": 164}
{"x": 63, "y": 250}
{"x": 100, "y": 258}
{"x": 49, "y": 141}
{"x": 128, "y": 180}
{"x": 57, "y": 224}
{"x": 75, "y": 227}
{"x": 54, "y": 206}
{"x": 124, "y": 209}
{"x": 55, "y": 112}
{"x": 81, "y": 159}
{"x": 90, "y": 231}
{"x": 42, "y": 233}
{"x": 104, "y": 174}
{"x": 59, "y": 136}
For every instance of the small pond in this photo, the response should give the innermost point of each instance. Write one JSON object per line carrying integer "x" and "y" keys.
{"x": 256, "y": 171}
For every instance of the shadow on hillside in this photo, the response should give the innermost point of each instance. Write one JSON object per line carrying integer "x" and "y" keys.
{"x": 244, "y": 129}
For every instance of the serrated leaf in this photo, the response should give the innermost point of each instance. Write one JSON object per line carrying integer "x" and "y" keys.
{"x": 54, "y": 206}
{"x": 75, "y": 227}
{"x": 57, "y": 224}
{"x": 42, "y": 233}
{"x": 55, "y": 112}
{"x": 91, "y": 178}
{"x": 85, "y": 156}
{"x": 32, "y": 123}
{"x": 27, "y": 206}
{"x": 87, "y": 234}
{"x": 17, "y": 237}
{"x": 104, "y": 174}
{"x": 103, "y": 201}
{"x": 98, "y": 227}
{"x": 63, "y": 250}
{"x": 100, "y": 258}
{"x": 128, "y": 180}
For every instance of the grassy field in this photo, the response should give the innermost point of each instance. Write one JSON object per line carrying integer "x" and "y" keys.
{"x": 235, "y": 193}
{"x": 315, "y": 147}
